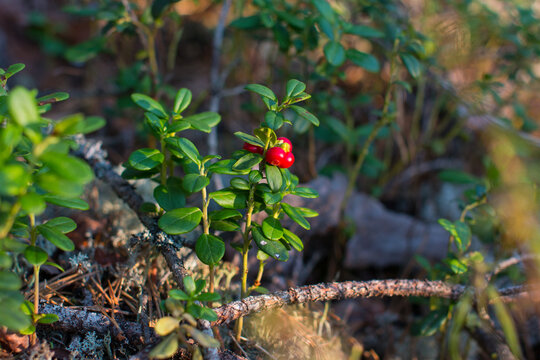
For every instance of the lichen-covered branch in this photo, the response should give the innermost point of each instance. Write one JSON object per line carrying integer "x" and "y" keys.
{"x": 82, "y": 321}
{"x": 92, "y": 152}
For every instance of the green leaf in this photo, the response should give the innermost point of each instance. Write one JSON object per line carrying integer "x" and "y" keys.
{"x": 334, "y": 53}
{"x": 155, "y": 124}
{"x": 294, "y": 87}
{"x": 32, "y": 203}
{"x": 412, "y": 64}
{"x": 293, "y": 240}
{"x": 230, "y": 199}
{"x": 305, "y": 192}
{"x": 364, "y": 60}
{"x": 261, "y": 290}
{"x": 203, "y": 339}
{"x": 447, "y": 225}
{"x": 225, "y": 214}
{"x": 166, "y": 348}
{"x": 171, "y": 196}
{"x": 324, "y": 9}
{"x": 149, "y": 104}
{"x": 226, "y": 167}
{"x": 295, "y": 215}
{"x": 189, "y": 285}
{"x": 9, "y": 281}
{"x": 13, "y": 69}
{"x": 271, "y": 247}
{"x": 182, "y": 100}
{"x": 179, "y": 295}
{"x": 35, "y": 255}
{"x": 146, "y": 159}
{"x": 263, "y": 91}
{"x": 458, "y": 177}
{"x": 50, "y": 263}
{"x": 463, "y": 235}
{"x": 54, "y": 97}
{"x": 249, "y": 139}
{"x": 166, "y": 325}
{"x": 5, "y": 260}
{"x": 431, "y": 323}
{"x": 273, "y": 120}
{"x": 364, "y": 31}
{"x": 255, "y": 176}
{"x": 62, "y": 223}
{"x": 194, "y": 182}
{"x": 189, "y": 149}
{"x": 22, "y": 106}
{"x": 57, "y": 185}
{"x": 272, "y": 228}
{"x": 273, "y": 175}
{"x": 209, "y": 249}
{"x": 11, "y": 315}
{"x": 180, "y": 221}
{"x": 178, "y": 126}
{"x": 67, "y": 202}
{"x": 204, "y": 121}
{"x": 68, "y": 167}
{"x": 208, "y": 296}
{"x": 247, "y": 161}
{"x": 240, "y": 183}
{"x": 48, "y": 318}
{"x": 305, "y": 114}
{"x": 14, "y": 179}
{"x": 56, "y": 237}
{"x": 247, "y": 22}
{"x": 224, "y": 225}
{"x": 91, "y": 124}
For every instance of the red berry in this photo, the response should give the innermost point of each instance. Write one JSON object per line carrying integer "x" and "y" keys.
{"x": 253, "y": 148}
{"x": 288, "y": 161}
{"x": 285, "y": 144}
{"x": 275, "y": 156}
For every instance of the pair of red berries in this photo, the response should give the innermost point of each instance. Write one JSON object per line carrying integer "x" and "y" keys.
{"x": 280, "y": 155}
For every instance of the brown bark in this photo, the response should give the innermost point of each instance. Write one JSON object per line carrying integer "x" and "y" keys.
{"x": 336, "y": 291}
{"x": 91, "y": 151}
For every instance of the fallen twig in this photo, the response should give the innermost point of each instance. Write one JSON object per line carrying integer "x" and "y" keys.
{"x": 91, "y": 151}
{"x": 347, "y": 290}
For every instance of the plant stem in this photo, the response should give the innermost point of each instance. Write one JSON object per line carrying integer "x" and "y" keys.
{"x": 10, "y": 220}
{"x": 206, "y": 231}
{"x": 384, "y": 120}
{"x": 36, "y": 289}
{"x": 245, "y": 251}
{"x": 33, "y": 238}
{"x": 164, "y": 163}
{"x": 257, "y": 282}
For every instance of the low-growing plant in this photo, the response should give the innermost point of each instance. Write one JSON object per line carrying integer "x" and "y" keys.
{"x": 35, "y": 170}
{"x": 260, "y": 183}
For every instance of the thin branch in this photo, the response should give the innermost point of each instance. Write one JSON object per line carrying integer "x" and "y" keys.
{"x": 82, "y": 321}
{"x": 491, "y": 343}
{"x": 351, "y": 290}
{"x": 503, "y": 265}
{"x": 91, "y": 151}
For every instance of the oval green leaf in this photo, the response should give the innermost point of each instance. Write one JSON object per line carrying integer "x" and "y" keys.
{"x": 209, "y": 249}
{"x": 180, "y": 221}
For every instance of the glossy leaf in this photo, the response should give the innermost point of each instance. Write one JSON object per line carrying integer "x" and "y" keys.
{"x": 294, "y": 87}
{"x": 35, "y": 255}
{"x": 204, "y": 121}
{"x": 194, "y": 183}
{"x": 247, "y": 161}
{"x": 171, "y": 196}
{"x": 412, "y": 64}
{"x": 182, "y": 100}
{"x": 210, "y": 249}
{"x": 273, "y": 175}
{"x": 22, "y": 106}
{"x": 32, "y": 203}
{"x": 305, "y": 192}
{"x": 305, "y": 114}
{"x": 364, "y": 60}
{"x": 149, "y": 104}
{"x": 272, "y": 228}
{"x": 249, "y": 139}
{"x": 146, "y": 159}
{"x": 262, "y": 90}
{"x": 295, "y": 215}
{"x": 271, "y": 247}
{"x": 230, "y": 199}
{"x": 293, "y": 240}
{"x": 166, "y": 325}
{"x": 9, "y": 281}
{"x": 75, "y": 203}
{"x": 189, "y": 149}
{"x": 166, "y": 348}
{"x": 334, "y": 53}
{"x": 56, "y": 237}
{"x": 180, "y": 221}
{"x": 240, "y": 183}
{"x": 62, "y": 223}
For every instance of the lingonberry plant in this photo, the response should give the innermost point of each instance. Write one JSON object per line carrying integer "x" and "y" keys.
{"x": 260, "y": 183}
{"x": 35, "y": 169}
